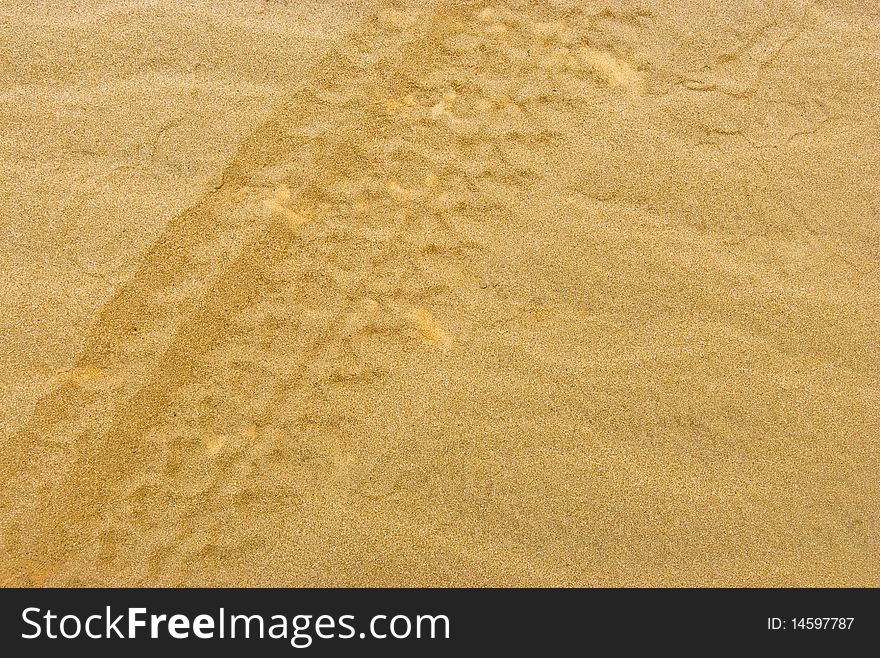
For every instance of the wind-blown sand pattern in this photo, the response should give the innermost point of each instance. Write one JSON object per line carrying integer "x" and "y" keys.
{"x": 440, "y": 293}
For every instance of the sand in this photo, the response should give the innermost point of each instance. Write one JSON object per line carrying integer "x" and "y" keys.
{"x": 414, "y": 293}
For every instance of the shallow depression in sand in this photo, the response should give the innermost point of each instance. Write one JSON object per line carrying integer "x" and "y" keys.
{"x": 439, "y": 293}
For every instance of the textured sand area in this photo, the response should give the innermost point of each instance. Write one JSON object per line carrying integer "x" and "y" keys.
{"x": 439, "y": 293}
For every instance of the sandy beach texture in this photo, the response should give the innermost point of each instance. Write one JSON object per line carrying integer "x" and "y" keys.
{"x": 392, "y": 292}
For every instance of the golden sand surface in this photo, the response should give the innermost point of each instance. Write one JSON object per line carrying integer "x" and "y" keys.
{"x": 436, "y": 293}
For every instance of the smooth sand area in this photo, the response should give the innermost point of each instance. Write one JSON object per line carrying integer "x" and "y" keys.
{"x": 439, "y": 293}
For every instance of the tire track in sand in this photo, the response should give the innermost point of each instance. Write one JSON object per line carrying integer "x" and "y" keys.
{"x": 151, "y": 335}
